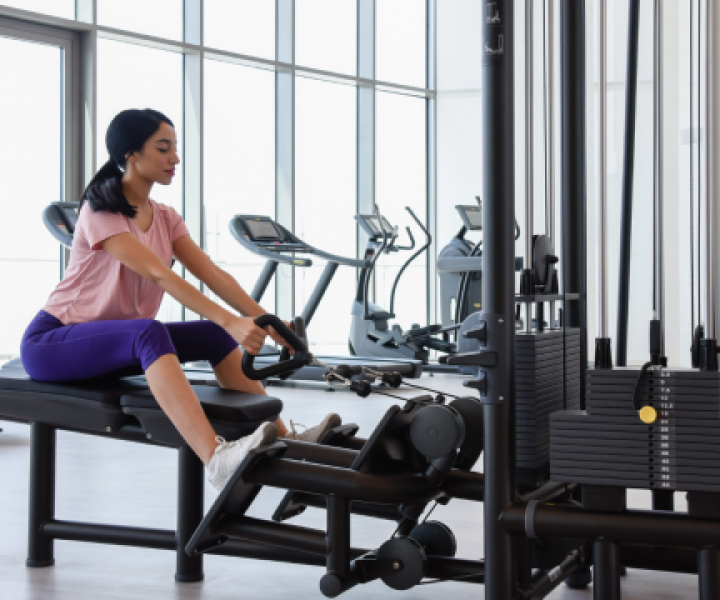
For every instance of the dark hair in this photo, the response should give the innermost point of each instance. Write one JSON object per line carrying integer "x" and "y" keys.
{"x": 127, "y": 133}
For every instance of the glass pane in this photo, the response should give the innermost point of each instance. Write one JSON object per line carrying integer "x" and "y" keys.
{"x": 401, "y": 31}
{"x": 325, "y": 175}
{"x": 132, "y": 76}
{"x": 401, "y": 181}
{"x": 242, "y": 26}
{"x": 160, "y": 18}
{"x": 29, "y": 255}
{"x": 239, "y": 165}
{"x": 57, "y": 8}
{"x": 326, "y": 35}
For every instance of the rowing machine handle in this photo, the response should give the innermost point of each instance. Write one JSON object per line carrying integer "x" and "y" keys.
{"x": 300, "y": 358}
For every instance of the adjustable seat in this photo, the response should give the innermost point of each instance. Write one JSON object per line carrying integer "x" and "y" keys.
{"x": 122, "y": 409}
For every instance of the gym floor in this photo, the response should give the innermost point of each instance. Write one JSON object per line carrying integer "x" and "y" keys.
{"x": 124, "y": 483}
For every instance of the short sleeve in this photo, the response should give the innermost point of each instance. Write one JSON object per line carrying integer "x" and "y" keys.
{"x": 175, "y": 224}
{"x": 101, "y": 225}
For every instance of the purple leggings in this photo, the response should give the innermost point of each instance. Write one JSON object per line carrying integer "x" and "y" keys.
{"x": 52, "y": 351}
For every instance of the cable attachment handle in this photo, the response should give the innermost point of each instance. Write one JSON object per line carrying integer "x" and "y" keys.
{"x": 300, "y": 358}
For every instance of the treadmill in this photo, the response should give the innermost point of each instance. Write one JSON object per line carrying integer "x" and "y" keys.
{"x": 267, "y": 238}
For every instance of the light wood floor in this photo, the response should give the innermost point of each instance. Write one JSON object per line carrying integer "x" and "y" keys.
{"x": 114, "y": 482}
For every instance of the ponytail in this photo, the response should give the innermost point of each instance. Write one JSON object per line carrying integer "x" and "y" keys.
{"x": 105, "y": 191}
{"x": 126, "y": 134}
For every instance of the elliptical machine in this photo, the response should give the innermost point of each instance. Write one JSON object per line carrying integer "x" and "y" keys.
{"x": 370, "y": 332}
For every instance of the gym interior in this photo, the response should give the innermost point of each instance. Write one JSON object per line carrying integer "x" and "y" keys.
{"x": 493, "y": 225}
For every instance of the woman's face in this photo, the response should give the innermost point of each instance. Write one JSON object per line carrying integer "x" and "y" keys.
{"x": 158, "y": 157}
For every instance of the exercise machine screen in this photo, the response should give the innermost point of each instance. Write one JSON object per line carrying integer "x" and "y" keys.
{"x": 263, "y": 231}
{"x": 471, "y": 216}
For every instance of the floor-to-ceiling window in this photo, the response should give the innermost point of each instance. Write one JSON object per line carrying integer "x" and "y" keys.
{"x": 32, "y": 175}
{"x": 276, "y": 104}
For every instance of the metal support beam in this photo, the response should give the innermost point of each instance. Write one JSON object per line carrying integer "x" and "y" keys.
{"x": 498, "y": 288}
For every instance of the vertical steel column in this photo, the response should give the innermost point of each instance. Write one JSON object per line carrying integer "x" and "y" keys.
{"x": 42, "y": 494}
{"x": 606, "y": 570}
{"x": 709, "y": 572}
{"x": 498, "y": 287}
{"x": 710, "y": 162}
{"x": 189, "y": 514}
{"x": 659, "y": 140}
{"x": 573, "y": 170}
{"x": 627, "y": 184}
{"x": 528, "y": 281}
{"x": 550, "y": 120}
{"x": 603, "y": 354}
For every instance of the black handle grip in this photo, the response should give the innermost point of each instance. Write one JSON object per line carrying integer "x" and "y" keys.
{"x": 301, "y": 357}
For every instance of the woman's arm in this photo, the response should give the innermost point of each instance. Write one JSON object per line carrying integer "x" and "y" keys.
{"x": 136, "y": 256}
{"x": 220, "y": 282}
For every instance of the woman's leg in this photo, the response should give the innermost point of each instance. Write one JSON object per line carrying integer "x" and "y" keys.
{"x": 230, "y": 376}
{"x": 176, "y": 397}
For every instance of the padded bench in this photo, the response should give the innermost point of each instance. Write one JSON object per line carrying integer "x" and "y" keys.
{"x": 122, "y": 409}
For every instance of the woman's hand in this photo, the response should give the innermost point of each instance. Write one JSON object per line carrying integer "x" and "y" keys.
{"x": 278, "y": 338}
{"x": 247, "y": 334}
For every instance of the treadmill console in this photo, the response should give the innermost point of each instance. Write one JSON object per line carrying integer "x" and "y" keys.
{"x": 263, "y": 232}
{"x": 471, "y": 217}
{"x": 371, "y": 225}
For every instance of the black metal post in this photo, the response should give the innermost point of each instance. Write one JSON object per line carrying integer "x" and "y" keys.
{"x": 264, "y": 280}
{"x": 189, "y": 513}
{"x": 318, "y": 291}
{"x": 627, "y": 183}
{"x": 337, "y": 577}
{"x": 42, "y": 494}
{"x": 606, "y": 570}
{"x": 574, "y": 181}
{"x": 709, "y": 573}
{"x": 498, "y": 289}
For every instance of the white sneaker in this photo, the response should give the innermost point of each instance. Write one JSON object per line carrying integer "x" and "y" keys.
{"x": 313, "y": 434}
{"x": 229, "y": 455}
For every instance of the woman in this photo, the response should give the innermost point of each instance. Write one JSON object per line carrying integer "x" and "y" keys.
{"x": 100, "y": 318}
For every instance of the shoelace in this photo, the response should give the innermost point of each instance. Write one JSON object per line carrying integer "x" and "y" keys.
{"x": 293, "y": 432}
{"x": 224, "y": 445}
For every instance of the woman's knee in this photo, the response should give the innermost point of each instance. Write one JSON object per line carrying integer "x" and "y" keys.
{"x": 152, "y": 341}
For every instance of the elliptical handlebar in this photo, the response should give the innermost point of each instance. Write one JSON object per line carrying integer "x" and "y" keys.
{"x": 394, "y": 246}
{"x": 428, "y": 241}
{"x": 366, "y": 312}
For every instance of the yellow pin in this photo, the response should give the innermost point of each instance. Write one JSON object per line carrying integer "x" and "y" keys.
{"x": 648, "y": 415}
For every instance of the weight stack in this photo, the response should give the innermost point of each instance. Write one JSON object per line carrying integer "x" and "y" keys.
{"x": 547, "y": 379}
{"x": 609, "y": 445}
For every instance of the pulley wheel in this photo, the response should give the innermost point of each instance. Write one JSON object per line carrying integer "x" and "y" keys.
{"x": 436, "y": 538}
{"x": 408, "y": 558}
{"x": 436, "y": 431}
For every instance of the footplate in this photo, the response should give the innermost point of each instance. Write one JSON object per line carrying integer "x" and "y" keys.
{"x": 235, "y": 498}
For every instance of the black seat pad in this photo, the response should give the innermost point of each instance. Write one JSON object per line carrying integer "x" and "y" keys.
{"x": 105, "y": 391}
{"x": 221, "y": 404}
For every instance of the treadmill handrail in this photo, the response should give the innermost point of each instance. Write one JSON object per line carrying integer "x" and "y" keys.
{"x": 294, "y": 259}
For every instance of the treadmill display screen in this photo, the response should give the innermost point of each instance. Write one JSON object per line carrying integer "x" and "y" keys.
{"x": 263, "y": 230}
{"x": 473, "y": 216}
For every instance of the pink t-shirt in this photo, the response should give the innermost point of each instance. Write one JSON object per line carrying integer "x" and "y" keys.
{"x": 96, "y": 285}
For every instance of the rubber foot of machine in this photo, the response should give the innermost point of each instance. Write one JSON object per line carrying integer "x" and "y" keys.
{"x": 48, "y": 562}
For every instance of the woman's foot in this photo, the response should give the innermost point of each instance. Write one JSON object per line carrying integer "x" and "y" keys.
{"x": 314, "y": 434}
{"x": 228, "y": 455}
